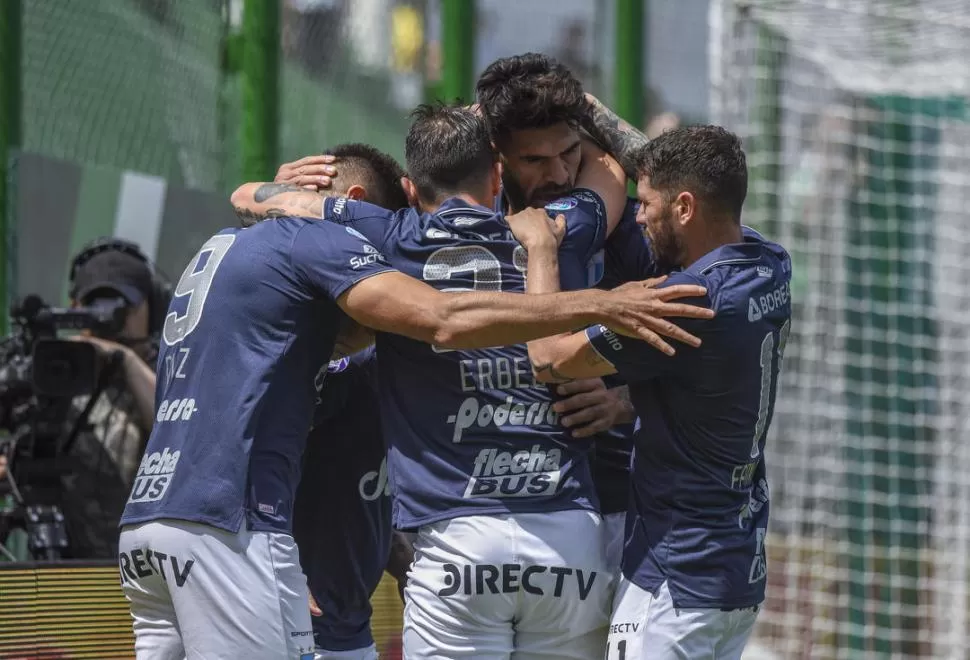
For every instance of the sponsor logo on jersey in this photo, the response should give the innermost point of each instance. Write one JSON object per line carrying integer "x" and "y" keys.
{"x": 481, "y": 579}
{"x": 473, "y": 415}
{"x": 371, "y": 255}
{"x": 336, "y": 366}
{"x": 531, "y": 472}
{"x": 339, "y": 204}
{"x": 586, "y": 196}
{"x": 374, "y": 484}
{"x": 765, "y": 271}
{"x": 154, "y": 476}
{"x": 138, "y": 563}
{"x": 467, "y": 221}
{"x": 611, "y": 338}
{"x": 758, "y": 306}
{"x": 176, "y": 410}
{"x": 563, "y": 204}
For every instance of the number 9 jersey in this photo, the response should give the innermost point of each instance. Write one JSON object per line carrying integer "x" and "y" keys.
{"x": 252, "y": 319}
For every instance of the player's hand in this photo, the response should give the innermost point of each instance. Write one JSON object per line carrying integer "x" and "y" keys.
{"x": 534, "y": 229}
{"x": 312, "y": 172}
{"x": 639, "y": 309}
{"x": 314, "y": 608}
{"x": 590, "y": 407}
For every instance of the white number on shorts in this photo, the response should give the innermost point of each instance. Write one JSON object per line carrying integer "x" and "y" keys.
{"x": 195, "y": 284}
{"x": 767, "y": 355}
{"x": 485, "y": 267}
{"x": 620, "y": 650}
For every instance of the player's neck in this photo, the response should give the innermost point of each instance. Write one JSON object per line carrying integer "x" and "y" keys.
{"x": 431, "y": 207}
{"x": 710, "y": 238}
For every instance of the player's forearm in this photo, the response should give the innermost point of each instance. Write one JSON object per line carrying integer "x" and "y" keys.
{"x": 481, "y": 320}
{"x": 253, "y": 202}
{"x": 628, "y": 413}
{"x": 141, "y": 383}
{"x": 400, "y": 557}
{"x": 542, "y": 271}
{"x": 615, "y": 135}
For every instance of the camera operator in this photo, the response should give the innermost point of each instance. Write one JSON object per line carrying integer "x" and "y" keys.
{"x": 109, "y": 447}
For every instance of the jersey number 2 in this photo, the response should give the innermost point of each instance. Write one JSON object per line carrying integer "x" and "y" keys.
{"x": 195, "y": 283}
{"x": 484, "y": 266}
{"x": 767, "y": 373}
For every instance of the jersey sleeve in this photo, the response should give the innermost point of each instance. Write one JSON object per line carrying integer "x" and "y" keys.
{"x": 636, "y": 360}
{"x": 585, "y": 215}
{"x": 369, "y": 219}
{"x": 628, "y": 255}
{"x": 331, "y": 258}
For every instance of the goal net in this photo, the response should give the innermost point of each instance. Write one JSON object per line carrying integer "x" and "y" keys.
{"x": 855, "y": 115}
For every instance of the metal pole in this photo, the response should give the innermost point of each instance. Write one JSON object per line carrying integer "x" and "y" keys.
{"x": 260, "y": 64}
{"x": 629, "y": 60}
{"x": 11, "y": 24}
{"x": 457, "y": 50}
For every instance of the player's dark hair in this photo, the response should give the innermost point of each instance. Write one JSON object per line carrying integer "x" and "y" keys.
{"x": 707, "y": 161}
{"x": 379, "y": 173}
{"x": 529, "y": 91}
{"x": 447, "y": 150}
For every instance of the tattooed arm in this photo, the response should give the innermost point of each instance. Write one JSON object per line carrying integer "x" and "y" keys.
{"x": 257, "y": 201}
{"x": 614, "y": 135}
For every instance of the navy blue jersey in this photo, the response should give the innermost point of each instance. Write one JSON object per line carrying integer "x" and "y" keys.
{"x": 700, "y": 496}
{"x": 627, "y": 258}
{"x": 342, "y": 521}
{"x": 252, "y": 319}
{"x": 472, "y": 432}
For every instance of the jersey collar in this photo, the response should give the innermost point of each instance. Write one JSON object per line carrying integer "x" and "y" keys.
{"x": 750, "y": 250}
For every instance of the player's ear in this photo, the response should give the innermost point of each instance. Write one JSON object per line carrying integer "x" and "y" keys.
{"x": 410, "y": 190}
{"x": 357, "y": 192}
{"x": 685, "y": 207}
{"x": 496, "y": 178}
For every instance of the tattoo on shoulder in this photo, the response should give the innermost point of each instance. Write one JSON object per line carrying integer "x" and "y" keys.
{"x": 550, "y": 373}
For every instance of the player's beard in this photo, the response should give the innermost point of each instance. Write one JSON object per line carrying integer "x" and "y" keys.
{"x": 667, "y": 245}
{"x": 519, "y": 199}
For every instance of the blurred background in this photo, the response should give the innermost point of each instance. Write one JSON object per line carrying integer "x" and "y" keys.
{"x": 137, "y": 117}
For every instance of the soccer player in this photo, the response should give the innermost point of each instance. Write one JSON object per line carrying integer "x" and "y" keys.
{"x": 206, "y": 556}
{"x": 694, "y": 561}
{"x": 534, "y": 107}
{"x": 509, "y": 558}
{"x": 342, "y": 511}
{"x": 342, "y": 515}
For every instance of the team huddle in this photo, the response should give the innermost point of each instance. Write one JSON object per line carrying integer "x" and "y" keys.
{"x": 537, "y": 403}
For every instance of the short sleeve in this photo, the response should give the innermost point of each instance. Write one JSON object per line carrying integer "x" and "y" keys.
{"x": 369, "y": 219}
{"x": 585, "y": 215}
{"x": 331, "y": 258}
{"x": 628, "y": 255}
{"x": 636, "y": 360}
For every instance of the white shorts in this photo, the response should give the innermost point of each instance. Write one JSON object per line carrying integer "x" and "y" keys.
{"x": 368, "y": 653}
{"x": 519, "y": 586}
{"x": 614, "y": 528}
{"x": 198, "y": 592}
{"x": 644, "y": 626}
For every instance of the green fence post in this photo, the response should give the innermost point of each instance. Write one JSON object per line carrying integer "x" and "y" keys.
{"x": 260, "y": 66}
{"x": 457, "y": 50}
{"x": 11, "y": 24}
{"x": 628, "y": 61}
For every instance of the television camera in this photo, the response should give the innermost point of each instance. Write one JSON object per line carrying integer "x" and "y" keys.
{"x": 40, "y": 376}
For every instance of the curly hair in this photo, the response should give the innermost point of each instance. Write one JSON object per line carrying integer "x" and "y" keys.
{"x": 378, "y": 172}
{"x": 529, "y": 91}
